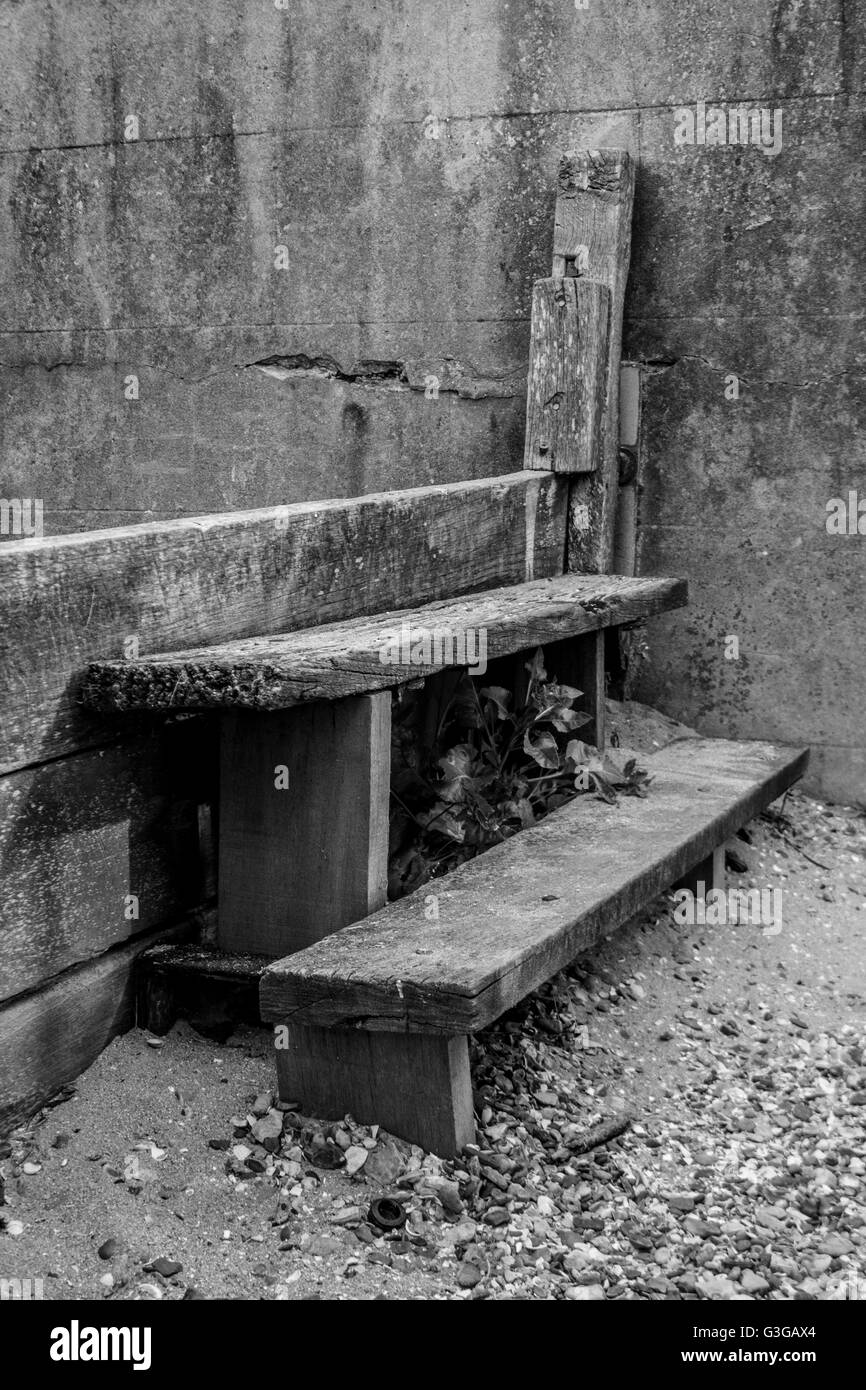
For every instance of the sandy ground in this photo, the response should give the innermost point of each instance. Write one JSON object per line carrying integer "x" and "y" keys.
{"x": 737, "y": 1053}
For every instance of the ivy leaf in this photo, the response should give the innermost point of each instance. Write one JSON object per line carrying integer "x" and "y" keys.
{"x": 565, "y": 694}
{"x": 458, "y": 767}
{"x": 442, "y": 820}
{"x": 542, "y": 750}
{"x": 499, "y": 697}
{"x": 565, "y": 719}
{"x": 520, "y": 808}
{"x": 535, "y": 666}
{"x": 604, "y": 790}
{"x": 583, "y": 756}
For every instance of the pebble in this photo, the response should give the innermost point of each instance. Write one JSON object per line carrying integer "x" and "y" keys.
{"x": 754, "y": 1283}
{"x": 167, "y": 1268}
{"x": 836, "y": 1245}
{"x": 384, "y": 1163}
{"x": 325, "y": 1245}
{"x": 447, "y": 1192}
{"x": 347, "y": 1216}
{"x": 497, "y": 1216}
{"x": 469, "y": 1275}
{"x": 270, "y": 1126}
{"x": 262, "y": 1104}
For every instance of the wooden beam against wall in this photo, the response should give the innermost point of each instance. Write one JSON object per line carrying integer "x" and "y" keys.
{"x": 99, "y": 847}
{"x": 567, "y": 374}
{"x": 68, "y": 600}
{"x": 49, "y": 1037}
{"x": 592, "y": 238}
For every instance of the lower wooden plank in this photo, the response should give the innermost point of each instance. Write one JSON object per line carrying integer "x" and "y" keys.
{"x": 415, "y": 1086}
{"x": 49, "y": 1037}
{"x": 99, "y": 847}
{"x": 303, "y": 822}
{"x": 511, "y": 918}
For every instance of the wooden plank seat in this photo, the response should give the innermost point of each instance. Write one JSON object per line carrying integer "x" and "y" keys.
{"x": 331, "y": 662}
{"x": 306, "y": 727}
{"x": 375, "y": 1019}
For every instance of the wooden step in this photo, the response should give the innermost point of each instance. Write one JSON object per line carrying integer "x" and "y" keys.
{"x": 511, "y": 918}
{"x": 375, "y": 653}
{"x": 213, "y": 989}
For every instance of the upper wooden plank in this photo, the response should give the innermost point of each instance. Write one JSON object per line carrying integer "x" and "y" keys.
{"x": 511, "y": 918}
{"x": 350, "y": 658}
{"x": 69, "y": 600}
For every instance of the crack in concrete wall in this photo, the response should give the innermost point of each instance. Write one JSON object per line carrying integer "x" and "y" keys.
{"x": 444, "y": 376}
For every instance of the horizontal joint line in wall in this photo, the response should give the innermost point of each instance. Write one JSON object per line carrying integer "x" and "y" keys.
{"x": 230, "y": 324}
{"x": 529, "y": 114}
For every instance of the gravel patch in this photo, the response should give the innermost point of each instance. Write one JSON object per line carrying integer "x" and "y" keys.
{"x": 679, "y": 1115}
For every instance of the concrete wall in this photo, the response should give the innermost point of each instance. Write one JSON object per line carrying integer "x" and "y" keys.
{"x": 404, "y": 154}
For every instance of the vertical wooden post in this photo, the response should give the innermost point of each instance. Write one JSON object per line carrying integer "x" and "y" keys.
{"x": 710, "y": 872}
{"x": 579, "y": 661}
{"x": 592, "y": 237}
{"x": 303, "y": 822}
{"x": 567, "y": 375}
{"x": 626, "y": 510}
{"x": 417, "y": 1085}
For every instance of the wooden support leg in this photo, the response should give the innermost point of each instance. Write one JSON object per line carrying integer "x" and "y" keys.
{"x": 580, "y": 662}
{"x": 303, "y": 822}
{"x": 710, "y": 872}
{"x": 416, "y": 1085}
{"x": 156, "y": 1010}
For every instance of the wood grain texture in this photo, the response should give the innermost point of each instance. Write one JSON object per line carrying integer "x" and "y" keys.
{"x": 48, "y": 1038}
{"x": 298, "y": 862}
{"x": 414, "y": 1085}
{"x": 511, "y": 918}
{"x": 595, "y": 196}
{"x": 68, "y": 600}
{"x": 79, "y": 837}
{"x": 567, "y": 384}
{"x": 340, "y": 659}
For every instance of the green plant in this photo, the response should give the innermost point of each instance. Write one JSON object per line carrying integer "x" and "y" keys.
{"x": 472, "y": 767}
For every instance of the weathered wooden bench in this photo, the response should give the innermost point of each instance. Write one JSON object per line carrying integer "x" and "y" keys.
{"x": 373, "y": 1004}
{"x": 304, "y": 853}
{"x": 375, "y": 1019}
